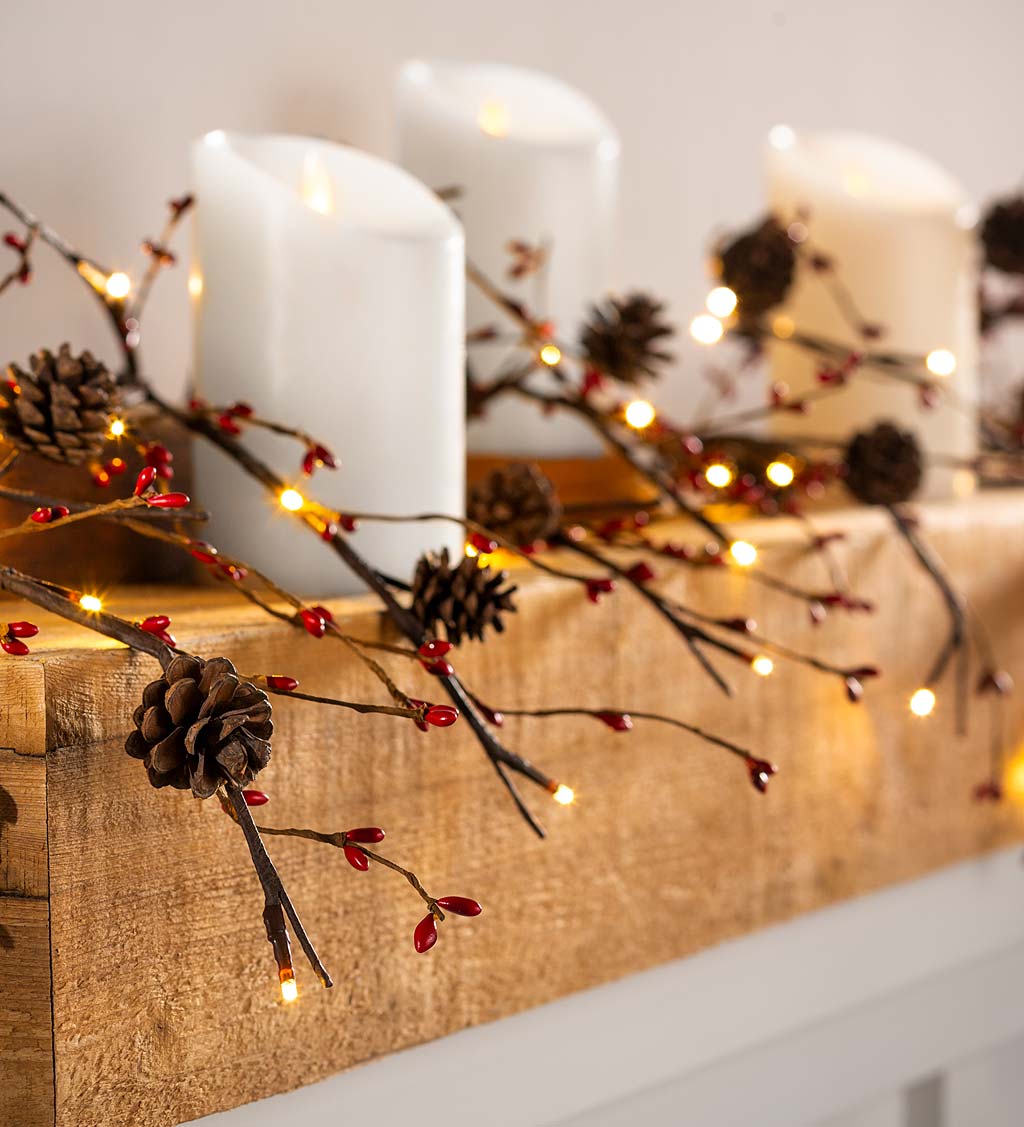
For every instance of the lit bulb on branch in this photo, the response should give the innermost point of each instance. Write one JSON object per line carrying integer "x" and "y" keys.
{"x": 91, "y": 603}
{"x": 562, "y": 794}
{"x": 743, "y": 553}
{"x": 718, "y": 474}
{"x": 706, "y": 329}
{"x": 780, "y": 474}
{"x": 940, "y": 362}
{"x": 639, "y": 414}
{"x": 289, "y": 987}
{"x": 292, "y": 500}
{"x": 117, "y": 428}
{"x": 763, "y": 665}
{"x": 118, "y": 286}
{"x": 550, "y": 354}
{"x": 922, "y": 703}
{"x": 721, "y": 301}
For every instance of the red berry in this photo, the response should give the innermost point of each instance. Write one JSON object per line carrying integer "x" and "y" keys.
{"x": 460, "y": 905}
{"x": 439, "y": 668}
{"x": 157, "y": 455}
{"x": 739, "y": 625}
{"x": 641, "y": 572}
{"x": 155, "y": 623}
{"x": 228, "y": 425}
{"x": 324, "y": 613}
{"x": 760, "y": 772}
{"x": 425, "y": 935}
{"x": 241, "y": 410}
{"x": 116, "y": 466}
{"x": 280, "y": 681}
{"x": 356, "y": 858}
{"x": 168, "y": 500}
{"x": 14, "y": 646}
{"x": 232, "y": 572}
{"x": 42, "y": 515}
{"x": 330, "y": 530}
{"x": 255, "y": 797}
{"x": 14, "y": 241}
{"x": 60, "y": 511}
{"x": 168, "y": 639}
{"x": 863, "y": 671}
{"x": 349, "y": 524}
{"x": 144, "y": 480}
{"x": 313, "y": 622}
{"x": 441, "y": 715}
{"x": 491, "y": 715}
{"x": 325, "y": 457}
{"x": 592, "y": 381}
{"x": 988, "y": 791}
{"x": 617, "y": 721}
{"x": 366, "y": 835}
{"x": 22, "y": 629}
{"x": 418, "y": 721}
{"x": 598, "y": 587}
{"x": 995, "y": 681}
{"x": 436, "y": 647}
{"x": 203, "y": 552}
{"x": 483, "y": 543}
{"x": 308, "y": 463}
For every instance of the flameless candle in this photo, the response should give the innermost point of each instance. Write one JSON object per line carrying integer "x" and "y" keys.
{"x": 330, "y": 295}
{"x": 536, "y": 161}
{"x": 897, "y": 229}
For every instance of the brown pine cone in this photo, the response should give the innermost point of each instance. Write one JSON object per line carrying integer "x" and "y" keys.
{"x": 199, "y": 726}
{"x": 758, "y": 266}
{"x": 883, "y": 465}
{"x": 623, "y": 338}
{"x": 465, "y": 599}
{"x": 517, "y": 502}
{"x": 60, "y": 409}
{"x": 1002, "y": 235}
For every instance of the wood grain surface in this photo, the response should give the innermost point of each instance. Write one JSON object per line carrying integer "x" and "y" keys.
{"x": 164, "y": 999}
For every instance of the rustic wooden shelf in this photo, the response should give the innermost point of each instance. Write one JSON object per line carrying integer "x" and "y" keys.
{"x": 137, "y": 986}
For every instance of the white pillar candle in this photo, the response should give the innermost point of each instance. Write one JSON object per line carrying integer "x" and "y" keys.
{"x": 897, "y": 228}
{"x": 535, "y": 160}
{"x": 331, "y": 297}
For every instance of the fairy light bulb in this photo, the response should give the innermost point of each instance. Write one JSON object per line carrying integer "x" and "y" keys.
{"x": 763, "y": 665}
{"x": 780, "y": 474}
{"x": 743, "y": 552}
{"x": 706, "y": 329}
{"x": 550, "y": 354}
{"x": 563, "y": 795}
{"x": 317, "y": 191}
{"x": 90, "y": 603}
{"x": 292, "y": 500}
{"x": 922, "y": 703}
{"x": 195, "y": 284}
{"x": 718, "y": 474}
{"x": 639, "y": 414}
{"x": 118, "y": 285}
{"x": 721, "y": 301}
{"x": 289, "y": 987}
{"x": 1013, "y": 778}
{"x": 493, "y": 118}
{"x": 940, "y": 362}
{"x": 783, "y": 327}
{"x": 117, "y": 428}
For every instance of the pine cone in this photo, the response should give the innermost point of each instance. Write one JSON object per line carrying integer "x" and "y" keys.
{"x": 199, "y": 726}
{"x": 466, "y": 599}
{"x": 60, "y": 409}
{"x": 758, "y": 266}
{"x": 517, "y": 502}
{"x": 623, "y": 338}
{"x": 884, "y": 465}
{"x": 1002, "y": 235}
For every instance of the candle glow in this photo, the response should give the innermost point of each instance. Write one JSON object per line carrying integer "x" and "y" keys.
{"x": 317, "y": 193}
{"x": 493, "y": 118}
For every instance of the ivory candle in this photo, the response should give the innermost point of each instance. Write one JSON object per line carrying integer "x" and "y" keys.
{"x": 330, "y": 296}
{"x": 535, "y": 160}
{"x": 898, "y": 229}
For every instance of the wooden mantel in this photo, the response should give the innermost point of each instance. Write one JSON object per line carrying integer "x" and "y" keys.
{"x": 136, "y": 985}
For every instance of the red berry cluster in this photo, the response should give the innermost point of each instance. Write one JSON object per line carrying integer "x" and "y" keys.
{"x": 432, "y": 657}
{"x": 16, "y": 242}
{"x": 11, "y": 640}
{"x": 47, "y": 514}
{"x": 102, "y": 476}
{"x": 315, "y": 620}
{"x": 159, "y": 458}
{"x": 315, "y": 457}
{"x": 425, "y": 935}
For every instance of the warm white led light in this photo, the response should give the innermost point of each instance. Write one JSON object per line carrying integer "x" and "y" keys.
{"x": 639, "y": 414}
{"x": 706, "y": 329}
{"x": 721, "y": 301}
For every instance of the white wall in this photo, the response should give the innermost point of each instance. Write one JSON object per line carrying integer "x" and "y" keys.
{"x": 99, "y": 100}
